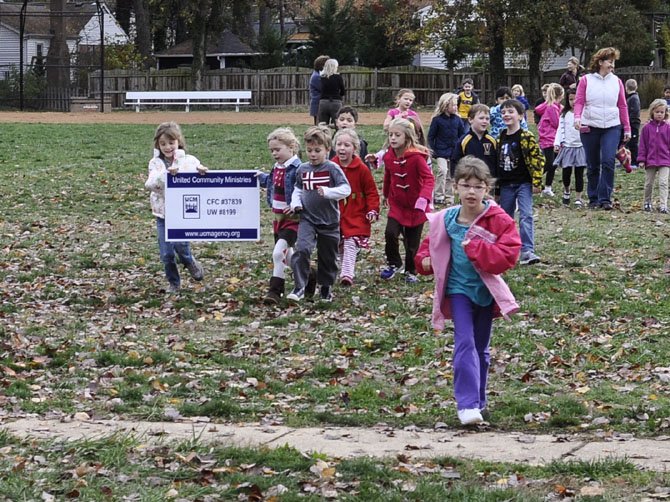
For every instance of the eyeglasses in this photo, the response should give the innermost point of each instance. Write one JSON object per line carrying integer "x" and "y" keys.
{"x": 467, "y": 187}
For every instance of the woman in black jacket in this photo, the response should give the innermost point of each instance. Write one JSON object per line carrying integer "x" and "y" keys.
{"x": 332, "y": 92}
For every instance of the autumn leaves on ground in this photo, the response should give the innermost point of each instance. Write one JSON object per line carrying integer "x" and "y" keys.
{"x": 86, "y": 325}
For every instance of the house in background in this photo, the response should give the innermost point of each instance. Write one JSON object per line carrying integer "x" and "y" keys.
{"x": 226, "y": 52}
{"x": 552, "y": 61}
{"x": 82, "y": 29}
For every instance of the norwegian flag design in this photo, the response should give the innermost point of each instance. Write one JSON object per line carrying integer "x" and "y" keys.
{"x": 313, "y": 179}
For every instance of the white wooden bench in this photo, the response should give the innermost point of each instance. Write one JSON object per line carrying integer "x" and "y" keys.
{"x": 188, "y": 98}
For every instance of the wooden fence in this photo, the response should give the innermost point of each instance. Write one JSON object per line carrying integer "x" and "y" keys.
{"x": 286, "y": 87}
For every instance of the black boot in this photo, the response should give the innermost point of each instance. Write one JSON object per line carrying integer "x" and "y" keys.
{"x": 276, "y": 291}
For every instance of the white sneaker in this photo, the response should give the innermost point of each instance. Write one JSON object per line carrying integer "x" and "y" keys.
{"x": 528, "y": 258}
{"x": 470, "y": 416}
{"x": 548, "y": 191}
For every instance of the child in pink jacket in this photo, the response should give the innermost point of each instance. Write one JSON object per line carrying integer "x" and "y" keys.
{"x": 468, "y": 247}
{"x": 654, "y": 154}
{"x": 550, "y": 111}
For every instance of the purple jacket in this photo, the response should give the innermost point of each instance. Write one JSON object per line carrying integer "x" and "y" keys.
{"x": 654, "y": 149}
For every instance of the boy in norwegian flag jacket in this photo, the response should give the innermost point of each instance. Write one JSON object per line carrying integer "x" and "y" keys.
{"x": 319, "y": 185}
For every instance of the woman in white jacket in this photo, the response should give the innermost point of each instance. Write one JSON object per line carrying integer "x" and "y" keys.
{"x": 600, "y": 114}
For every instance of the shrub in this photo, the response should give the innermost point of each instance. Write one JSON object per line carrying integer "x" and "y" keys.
{"x": 649, "y": 90}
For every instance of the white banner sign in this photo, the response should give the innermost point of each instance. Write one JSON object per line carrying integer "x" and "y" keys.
{"x": 216, "y": 206}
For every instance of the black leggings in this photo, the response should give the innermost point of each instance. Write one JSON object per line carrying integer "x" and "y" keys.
{"x": 549, "y": 167}
{"x": 579, "y": 178}
{"x": 412, "y": 240}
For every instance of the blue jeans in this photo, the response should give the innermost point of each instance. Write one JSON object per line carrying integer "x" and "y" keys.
{"x": 600, "y": 146}
{"x": 520, "y": 194}
{"x": 472, "y": 336}
{"x": 168, "y": 250}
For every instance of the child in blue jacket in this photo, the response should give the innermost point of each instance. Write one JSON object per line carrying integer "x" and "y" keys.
{"x": 446, "y": 128}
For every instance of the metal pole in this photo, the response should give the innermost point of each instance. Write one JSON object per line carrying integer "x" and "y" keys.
{"x": 101, "y": 17}
{"x": 22, "y": 26}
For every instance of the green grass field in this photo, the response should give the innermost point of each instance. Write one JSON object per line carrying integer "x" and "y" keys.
{"x": 85, "y": 325}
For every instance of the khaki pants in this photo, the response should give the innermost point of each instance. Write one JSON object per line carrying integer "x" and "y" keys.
{"x": 444, "y": 191}
{"x": 649, "y": 176}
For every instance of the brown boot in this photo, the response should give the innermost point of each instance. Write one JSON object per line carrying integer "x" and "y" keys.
{"x": 276, "y": 291}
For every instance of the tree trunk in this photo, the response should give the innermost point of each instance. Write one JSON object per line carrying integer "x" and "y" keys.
{"x": 199, "y": 30}
{"x": 58, "y": 56}
{"x": 534, "y": 70}
{"x": 143, "y": 32}
{"x": 122, "y": 13}
{"x": 497, "y": 61}
{"x": 264, "y": 19}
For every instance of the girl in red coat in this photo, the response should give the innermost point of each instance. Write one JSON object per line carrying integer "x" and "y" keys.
{"x": 408, "y": 189}
{"x": 358, "y": 210}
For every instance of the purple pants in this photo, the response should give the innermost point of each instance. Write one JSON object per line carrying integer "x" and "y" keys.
{"x": 472, "y": 335}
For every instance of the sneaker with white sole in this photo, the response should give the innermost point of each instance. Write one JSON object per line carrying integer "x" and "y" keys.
{"x": 548, "y": 192}
{"x": 528, "y": 258}
{"x": 566, "y": 198}
{"x": 647, "y": 207}
{"x": 195, "y": 269}
{"x": 296, "y": 295}
{"x": 326, "y": 294}
{"x": 411, "y": 278}
{"x": 470, "y": 416}
{"x": 389, "y": 272}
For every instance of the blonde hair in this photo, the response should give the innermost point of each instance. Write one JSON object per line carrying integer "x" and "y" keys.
{"x": 443, "y": 103}
{"x": 603, "y": 55}
{"x": 477, "y": 108}
{"x": 408, "y": 128}
{"x": 402, "y": 92}
{"x": 354, "y": 138}
{"x": 172, "y": 131}
{"x": 330, "y": 68}
{"x": 555, "y": 93}
{"x": 472, "y": 167}
{"x": 518, "y": 87}
{"x": 287, "y": 137}
{"x": 319, "y": 135}
{"x": 657, "y": 103}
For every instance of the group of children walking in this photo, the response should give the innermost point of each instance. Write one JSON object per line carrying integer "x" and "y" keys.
{"x": 330, "y": 202}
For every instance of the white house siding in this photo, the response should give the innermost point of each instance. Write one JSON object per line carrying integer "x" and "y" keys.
{"x": 9, "y": 48}
{"x": 114, "y": 34}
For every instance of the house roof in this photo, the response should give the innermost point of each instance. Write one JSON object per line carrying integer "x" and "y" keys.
{"x": 37, "y": 20}
{"x": 228, "y": 44}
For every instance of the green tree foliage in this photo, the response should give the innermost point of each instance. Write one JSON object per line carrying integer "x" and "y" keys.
{"x": 388, "y": 33}
{"x": 537, "y": 27}
{"x": 450, "y": 30}
{"x": 605, "y": 23}
{"x": 272, "y": 45}
{"x": 331, "y": 28}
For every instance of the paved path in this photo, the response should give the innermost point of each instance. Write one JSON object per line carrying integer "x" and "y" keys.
{"x": 347, "y": 442}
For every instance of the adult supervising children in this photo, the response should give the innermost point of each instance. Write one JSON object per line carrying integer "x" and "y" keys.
{"x": 601, "y": 113}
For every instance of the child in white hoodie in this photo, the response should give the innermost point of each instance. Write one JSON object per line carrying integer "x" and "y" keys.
{"x": 571, "y": 155}
{"x": 170, "y": 158}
